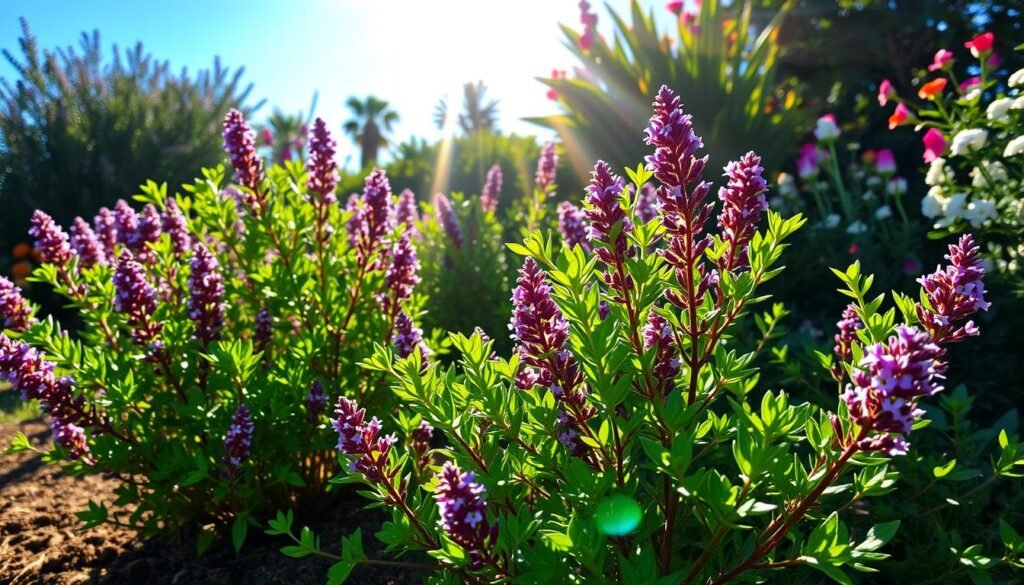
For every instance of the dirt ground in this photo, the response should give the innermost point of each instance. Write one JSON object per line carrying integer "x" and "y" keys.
{"x": 40, "y": 541}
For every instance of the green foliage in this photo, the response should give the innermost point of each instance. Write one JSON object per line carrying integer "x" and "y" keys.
{"x": 79, "y": 131}
{"x": 725, "y": 67}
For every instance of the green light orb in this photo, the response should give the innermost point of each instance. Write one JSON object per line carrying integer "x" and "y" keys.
{"x": 618, "y": 515}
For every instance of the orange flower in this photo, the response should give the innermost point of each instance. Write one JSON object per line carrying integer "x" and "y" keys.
{"x": 932, "y": 88}
{"x": 21, "y": 270}
{"x": 21, "y": 250}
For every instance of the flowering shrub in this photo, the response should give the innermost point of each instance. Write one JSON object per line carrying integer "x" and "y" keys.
{"x": 628, "y": 439}
{"x": 216, "y": 328}
{"x": 973, "y": 145}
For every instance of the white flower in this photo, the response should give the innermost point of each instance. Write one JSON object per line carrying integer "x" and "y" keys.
{"x": 973, "y": 94}
{"x": 1017, "y": 78}
{"x": 857, "y": 227}
{"x": 1015, "y": 146}
{"x": 968, "y": 140}
{"x": 980, "y": 212}
{"x": 832, "y": 220}
{"x": 933, "y": 203}
{"x": 826, "y": 130}
{"x": 787, "y": 185}
{"x": 998, "y": 109}
{"x": 937, "y": 171}
{"x": 955, "y": 206}
{"x": 995, "y": 170}
{"x": 1018, "y": 104}
{"x": 883, "y": 212}
{"x": 897, "y": 186}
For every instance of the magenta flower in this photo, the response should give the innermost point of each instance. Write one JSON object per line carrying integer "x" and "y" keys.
{"x": 51, "y": 241}
{"x": 176, "y": 227}
{"x": 316, "y": 401}
{"x": 446, "y": 218}
{"x": 240, "y": 144}
{"x": 886, "y": 385}
{"x": 608, "y": 222}
{"x": 886, "y": 92}
{"x": 361, "y": 440}
{"x": 206, "y": 294}
{"x": 670, "y": 132}
{"x": 845, "y": 338}
{"x": 147, "y": 232}
{"x": 86, "y": 244}
{"x": 743, "y": 204}
{"x": 954, "y": 293}
{"x": 238, "y": 442}
{"x": 885, "y": 162}
{"x": 462, "y": 503}
{"x": 943, "y": 60}
{"x": 900, "y": 115}
{"x": 323, "y": 175}
{"x": 572, "y": 226}
{"x": 407, "y": 213}
{"x": 675, "y": 6}
{"x": 492, "y": 190}
{"x": 981, "y": 45}
{"x": 15, "y": 312}
{"x": 934, "y": 144}
{"x": 547, "y": 164}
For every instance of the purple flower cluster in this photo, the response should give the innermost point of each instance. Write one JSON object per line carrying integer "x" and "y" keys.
{"x": 323, "y": 176}
{"x": 682, "y": 195}
{"x": 176, "y": 227}
{"x": 126, "y": 223}
{"x": 542, "y": 334}
{"x": 263, "y": 331}
{"x": 573, "y": 226}
{"x": 356, "y": 225}
{"x": 658, "y": 334}
{"x": 148, "y": 232}
{"x": 743, "y": 204}
{"x": 402, "y": 275}
{"x": 206, "y": 294}
{"x": 316, "y": 401}
{"x": 419, "y": 444}
{"x": 238, "y": 442}
{"x": 547, "y": 165}
{"x": 492, "y": 190}
{"x": 15, "y": 312}
{"x": 361, "y": 440}
{"x": 51, "y": 241}
{"x": 105, "y": 225}
{"x": 26, "y": 370}
{"x": 406, "y": 211}
{"x": 647, "y": 203}
{"x": 407, "y": 337}
{"x": 446, "y": 218}
{"x": 609, "y": 225}
{"x": 954, "y": 293}
{"x": 240, "y": 144}
{"x": 886, "y": 385}
{"x": 135, "y": 298}
{"x": 845, "y": 338}
{"x": 462, "y": 504}
{"x": 378, "y": 210}
{"x": 85, "y": 243}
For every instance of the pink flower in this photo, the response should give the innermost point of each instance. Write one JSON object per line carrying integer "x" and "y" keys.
{"x": 587, "y": 41}
{"x": 552, "y": 94}
{"x": 885, "y": 162}
{"x": 943, "y": 59}
{"x": 994, "y": 61}
{"x": 675, "y": 6}
{"x": 934, "y": 145}
{"x": 899, "y": 116}
{"x": 969, "y": 84}
{"x": 885, "y": 92}
{"x": 981, "y": 44}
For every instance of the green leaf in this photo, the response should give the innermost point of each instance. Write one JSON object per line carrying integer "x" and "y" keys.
{"x": 339, "y": 572}
{"x": 19, "y": 444}
{"x": 943, "y": 470}
{"x": 238, "y": 531}
{"x": 878, "y": 536}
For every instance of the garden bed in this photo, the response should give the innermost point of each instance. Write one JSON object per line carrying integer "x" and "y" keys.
{"x": 40, "y": 541}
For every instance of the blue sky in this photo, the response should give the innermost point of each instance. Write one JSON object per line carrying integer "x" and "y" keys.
{"x": 409, "y": 52}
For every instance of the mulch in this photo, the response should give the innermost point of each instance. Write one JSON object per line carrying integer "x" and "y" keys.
{"x": 41, "y": 541}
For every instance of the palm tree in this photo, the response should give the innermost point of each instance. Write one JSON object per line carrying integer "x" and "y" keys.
{"x": 371, "y": 119}
{"x": 477, "y": 114}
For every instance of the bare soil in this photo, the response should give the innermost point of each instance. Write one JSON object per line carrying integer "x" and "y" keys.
{"x": 41, "y": 543}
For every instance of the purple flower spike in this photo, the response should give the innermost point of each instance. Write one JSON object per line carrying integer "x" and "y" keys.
{"x": 609, "y": 224}
{"x": 323, "y": 176}
{"x": 361, "y": 440}
{"x": 492, "y": 190}
{"x": 238, "y": 442}
{"x": 264, "y": 329}
{"x": 407, "y": 213}
{"x": 71, "y": 438}
{"x": 670, "y": 132}
{"x": 240, "y": 144}
{"x": 25, "y": 369}
{"x": 419, "y": 444}
{"x": 86, "y": 244}
{"x": 51, "y": 241}
{"x": 206, "y": 290}
{"x": 954, "y": 293}
{"x": 402, "y": 275}
{"x": 15, "y": 312}
{"x": 148, "y": 232}
{"x": 135, "y": 298}
{"x": 447, "y": 220}
{"x": 572, "y": 225}
{"x": 176, "y": 227}
{"x": 462, "y": 503}
{"x": 316, "y": 401}
{"x": 547, "y": 165}
{"x": 845, "y": 338}
{"x": 887, "y": 384}
{"x": 378, "y": 208}
{"x": 743, "y": 204}
{"x": 127, "y": 221}
{"x": 658, "y": 333}
{"x": 356, "y": 225}
{"x": 105, "y": 225}
{"x": 647, "y": 203}
{"x": 407, "y": 337}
